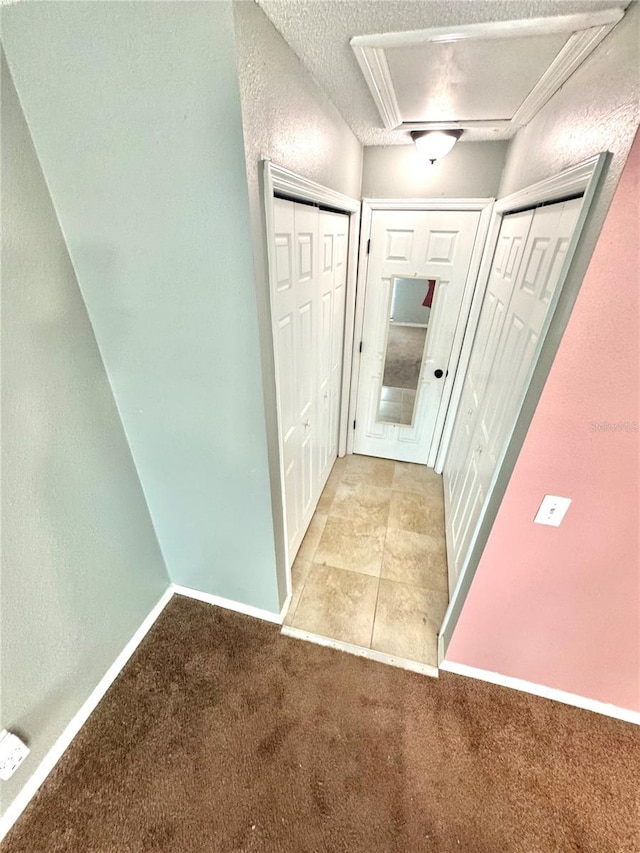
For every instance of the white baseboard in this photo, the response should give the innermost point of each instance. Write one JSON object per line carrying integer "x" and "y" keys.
{"x": 73, "y": 727}
{"x": 361, "y": 651}
{"x": 228, "y": 604}
{"x": 587, "y": 704}
{"x": 79, "y": 719}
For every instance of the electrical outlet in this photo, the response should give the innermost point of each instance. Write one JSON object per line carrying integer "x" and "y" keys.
{"x": 552, "y": 510}
{"x": 12, "y": 753}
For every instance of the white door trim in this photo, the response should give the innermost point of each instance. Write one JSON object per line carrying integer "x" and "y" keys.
{"x": 426, "y": 203}
{"x": 583, "y": 178}
{"x": 296, "y": 186}
{"x": 277, "y": 179}
{"x": 446, "y": 413}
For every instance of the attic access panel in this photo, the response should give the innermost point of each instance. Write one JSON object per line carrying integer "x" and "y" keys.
{"x": 475, "y": 78}
{"x": 493, "y": 76}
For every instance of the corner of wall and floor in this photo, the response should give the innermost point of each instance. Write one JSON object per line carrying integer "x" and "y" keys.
{"x": 81, "y": 566}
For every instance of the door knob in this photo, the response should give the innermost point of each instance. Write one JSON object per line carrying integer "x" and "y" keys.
{"x": 438, "y": 373}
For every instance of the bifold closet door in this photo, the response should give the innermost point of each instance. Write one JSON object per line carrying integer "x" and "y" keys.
{"x": 334, "y": 228}
{"x": 463, "y": 487}
{"x": 295, "y": 306}
{"x": 308, "y": 305}
{"x": 526, "y": 270}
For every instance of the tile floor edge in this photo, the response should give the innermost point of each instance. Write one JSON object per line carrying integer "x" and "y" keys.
{"x": 361, "y": 651}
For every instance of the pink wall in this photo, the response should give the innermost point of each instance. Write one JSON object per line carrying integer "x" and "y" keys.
{"x": 561, "y": 606}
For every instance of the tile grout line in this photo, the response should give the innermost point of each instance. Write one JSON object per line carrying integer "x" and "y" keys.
{"x": 375, "y": 611}
{"x": 375, "y": 606}
{"x": 311, "y": 564}
{"x": 384, "y": 545}
{"x": 414, "y": 490}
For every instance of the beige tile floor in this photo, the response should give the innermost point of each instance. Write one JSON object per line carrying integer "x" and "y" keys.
{"x": 372, "y": 569}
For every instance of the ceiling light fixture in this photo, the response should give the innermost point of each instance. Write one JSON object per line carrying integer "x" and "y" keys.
{"x": 434, "y": 144}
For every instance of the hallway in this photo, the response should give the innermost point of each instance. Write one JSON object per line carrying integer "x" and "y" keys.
{"x": 371, "y": 571}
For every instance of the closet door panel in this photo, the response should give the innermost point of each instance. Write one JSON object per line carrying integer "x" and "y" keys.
{"x": 333, "y": 282}
{"x": 308, "y": 288}
{"x": 307, "y": 308}
{"x": 463, "y": 479}
{"x": 286, "y": 335}
{"x": 504, "y": 353}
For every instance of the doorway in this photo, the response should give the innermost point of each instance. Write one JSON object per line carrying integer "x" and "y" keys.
{"x": 312, "y": 240}
{"x": 308, "y": 315}
{"x": 370, "y": 575}
{"x": 421, "y": 256}
{"x": 550, "y": 254}
{"x": 418, "y": 263}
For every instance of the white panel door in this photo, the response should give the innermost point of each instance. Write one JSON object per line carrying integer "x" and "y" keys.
{"x": 332, "y": 277}
{"x": 408, "y": 244}
{"x": 462, "y": 481}
{"x": 308, "y": 302}
{"x": 306, "y": 272}
{"x": 502, "y": 360}
{"x": 295, "y": 309}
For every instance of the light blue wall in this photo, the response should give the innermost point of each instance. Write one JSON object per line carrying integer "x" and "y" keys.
{"x": 134, "y": 110}
{"x": 81, "y": 566}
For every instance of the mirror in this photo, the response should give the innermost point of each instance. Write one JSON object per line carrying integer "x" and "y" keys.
{"x": 408, "y": 320}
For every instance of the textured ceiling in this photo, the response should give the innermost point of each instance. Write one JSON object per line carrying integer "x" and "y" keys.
{"x": 319, "y": 32}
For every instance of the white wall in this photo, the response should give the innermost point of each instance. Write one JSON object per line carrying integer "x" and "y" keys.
{"x": 81, "y": 566}
{"x": 471, "y": 170}
{"x": 135, "y": 114}
{"x": 290, "y": 121}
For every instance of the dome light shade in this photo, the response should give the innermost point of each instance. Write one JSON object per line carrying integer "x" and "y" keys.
{"x": 433, "y": 144}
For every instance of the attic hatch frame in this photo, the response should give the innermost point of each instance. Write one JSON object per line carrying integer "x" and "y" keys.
{"x": 284, "y": 183}
{"x": 585, "y": 180}
{"x": 584, "y": 32}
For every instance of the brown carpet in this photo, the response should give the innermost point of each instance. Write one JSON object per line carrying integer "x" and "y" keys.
{"x": 222, "y": 735}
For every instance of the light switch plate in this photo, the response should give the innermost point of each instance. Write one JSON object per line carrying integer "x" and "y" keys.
{"x": 552, "y": 510}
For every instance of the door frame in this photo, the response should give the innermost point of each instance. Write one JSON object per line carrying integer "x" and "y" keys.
{"x": 277, "y": 179}
{"x": 584, "y": 178}
{"x": 484, "y": 206}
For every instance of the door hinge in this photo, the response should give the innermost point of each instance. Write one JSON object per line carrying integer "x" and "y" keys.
{"x": 360, "y": 346}
{"x": 368, "y": 246}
